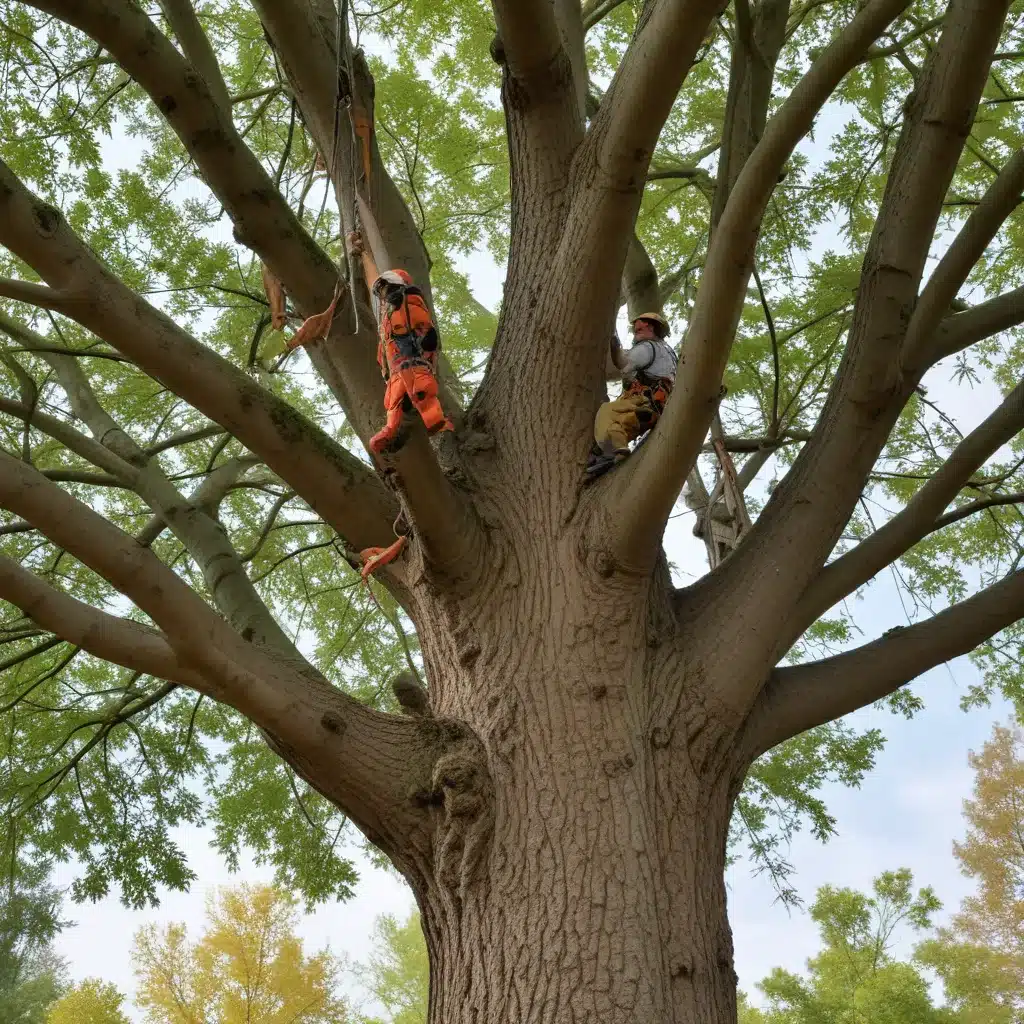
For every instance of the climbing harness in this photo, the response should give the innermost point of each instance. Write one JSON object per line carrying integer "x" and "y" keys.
{"x": 408, "y": 336}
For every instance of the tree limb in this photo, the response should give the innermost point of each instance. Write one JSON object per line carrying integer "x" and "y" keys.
{"x": 374, "y": 761}
{"x": 962, "y": 330}
{"x": 25, "y": 291}
{"x": 262, "y": 218}
{"x": 304, "y": 41}
{"x": 755, "y": 53}
{"x": 186, "y": 437}
{"x": 806, "y": 513}
{"x": 529, "y": 40}
{"x": 190, "y": 520}
{"x": 188, "y": 621}
{"x": 205, "y": 498}
{"x": 595, "y": 11}
{"x": 645, "y": 489}
{"x": 919, "y": 518}
{"x": 640, "y": 280}
{"x": 801, "y": 697}
{"x": 1000, "y": 200}
{"x": 342, "y": 490}
{"x": 182, "y": 18}
{"x": 638, "y": 102}
{"x": 591, "y": 213}
{"x": 113, "y": 639}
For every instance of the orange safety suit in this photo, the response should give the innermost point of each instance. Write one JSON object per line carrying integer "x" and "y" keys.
{"x": 407, "y": 356}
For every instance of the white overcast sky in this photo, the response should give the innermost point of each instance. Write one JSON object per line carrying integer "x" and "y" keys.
{"x": 906, "y": 814}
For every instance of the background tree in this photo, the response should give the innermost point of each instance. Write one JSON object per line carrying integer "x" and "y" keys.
{"x": 31, "y": 975}
{"x": 397, "y": 974}
{"x": 248, "y": 968}
{"x": 980, "y": 954}
{"x": 856, "y": 977}
{"x": 184, "y": 637}
{"x": 91, "y": 1002}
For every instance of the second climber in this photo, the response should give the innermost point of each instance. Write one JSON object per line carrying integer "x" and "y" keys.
{"x": 407, "y": 351}
{"x": 648, "y": 372}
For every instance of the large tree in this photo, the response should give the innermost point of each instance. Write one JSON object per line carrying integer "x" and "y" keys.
{"x": 249, "y": 967}
{"x": 184, "y": 506}
{"x": 980, "y": 954}
{"x": 31, "y": 974}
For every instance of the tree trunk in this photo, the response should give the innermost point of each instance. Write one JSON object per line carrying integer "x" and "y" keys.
{"x": 579, "y": 849}
{"x": 573, "y": 917}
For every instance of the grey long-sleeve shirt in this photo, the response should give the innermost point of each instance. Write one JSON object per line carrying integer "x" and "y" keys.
{"x": 655, "y": 358}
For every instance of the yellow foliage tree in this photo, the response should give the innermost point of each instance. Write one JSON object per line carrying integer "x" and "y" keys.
{"x": 980, "y": 956}
{"x": 248, "y": 968}
{"x": 91, "y": 1002}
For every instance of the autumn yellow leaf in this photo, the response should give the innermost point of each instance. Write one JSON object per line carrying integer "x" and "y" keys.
{"x": 91, "y": 1002}
{"x": 249, "y": 967}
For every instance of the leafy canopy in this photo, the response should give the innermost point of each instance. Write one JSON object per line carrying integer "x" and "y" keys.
{"x": 978, "y": 956}
{"x": 397, "y": 974}
{"x": 31, "y": 976}
{"x": 91, "y": 1002}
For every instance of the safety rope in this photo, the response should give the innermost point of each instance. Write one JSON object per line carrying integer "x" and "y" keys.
{"x": 344, "y": 52}
{"x": 318, "y": 326}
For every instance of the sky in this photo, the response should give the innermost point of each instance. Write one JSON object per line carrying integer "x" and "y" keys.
{"x": 906, "y": 813}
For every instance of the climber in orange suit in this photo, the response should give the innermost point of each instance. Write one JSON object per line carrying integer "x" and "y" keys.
{"x": 406, "y": 353}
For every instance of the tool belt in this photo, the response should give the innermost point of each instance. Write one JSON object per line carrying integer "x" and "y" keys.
{"x": 655, "y": 390}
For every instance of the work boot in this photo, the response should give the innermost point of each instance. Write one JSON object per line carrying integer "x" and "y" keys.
{"x": 604, "y": 457}
{"x": 438, "y": 428}
{"x": 386, "y": 442}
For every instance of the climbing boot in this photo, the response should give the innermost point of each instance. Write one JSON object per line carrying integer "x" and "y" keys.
{"x": 604, "y": 457}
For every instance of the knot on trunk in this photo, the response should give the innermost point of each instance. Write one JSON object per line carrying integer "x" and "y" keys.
{"x": 411, "y": 696}
{"x": 463, "y": 792}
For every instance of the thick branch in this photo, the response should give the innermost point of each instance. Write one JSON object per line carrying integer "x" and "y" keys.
{"x": 529, "y": 39}
{"x": 182, "y": 18}
{"x": 962, "y": 330}
{"x": 25, "y": 291}
{"x": 755, "y": 52}
{"x": 190, "y": 520}
{"x": 191, "y": 625}
{"x": 639, "y": 100}
{"x": 262, "y": 218}
{"x": 561, "y": 306}
{"x": 917, "y": 519}
{"x": 1000, "y": 200}
{"x": 113, "y": 639}
{"x": 366, "y": 762}
{"x": 205, "y": 498}
{"x": 59, "y": 430}
{"x": 648, "y": 485}
{"x": 304, "y": 42}
{"x": 806, "y": 513}
{"x": 800, "y": 697}
{"x": 640, "y": 281}
{"x": 338, "y": 486}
